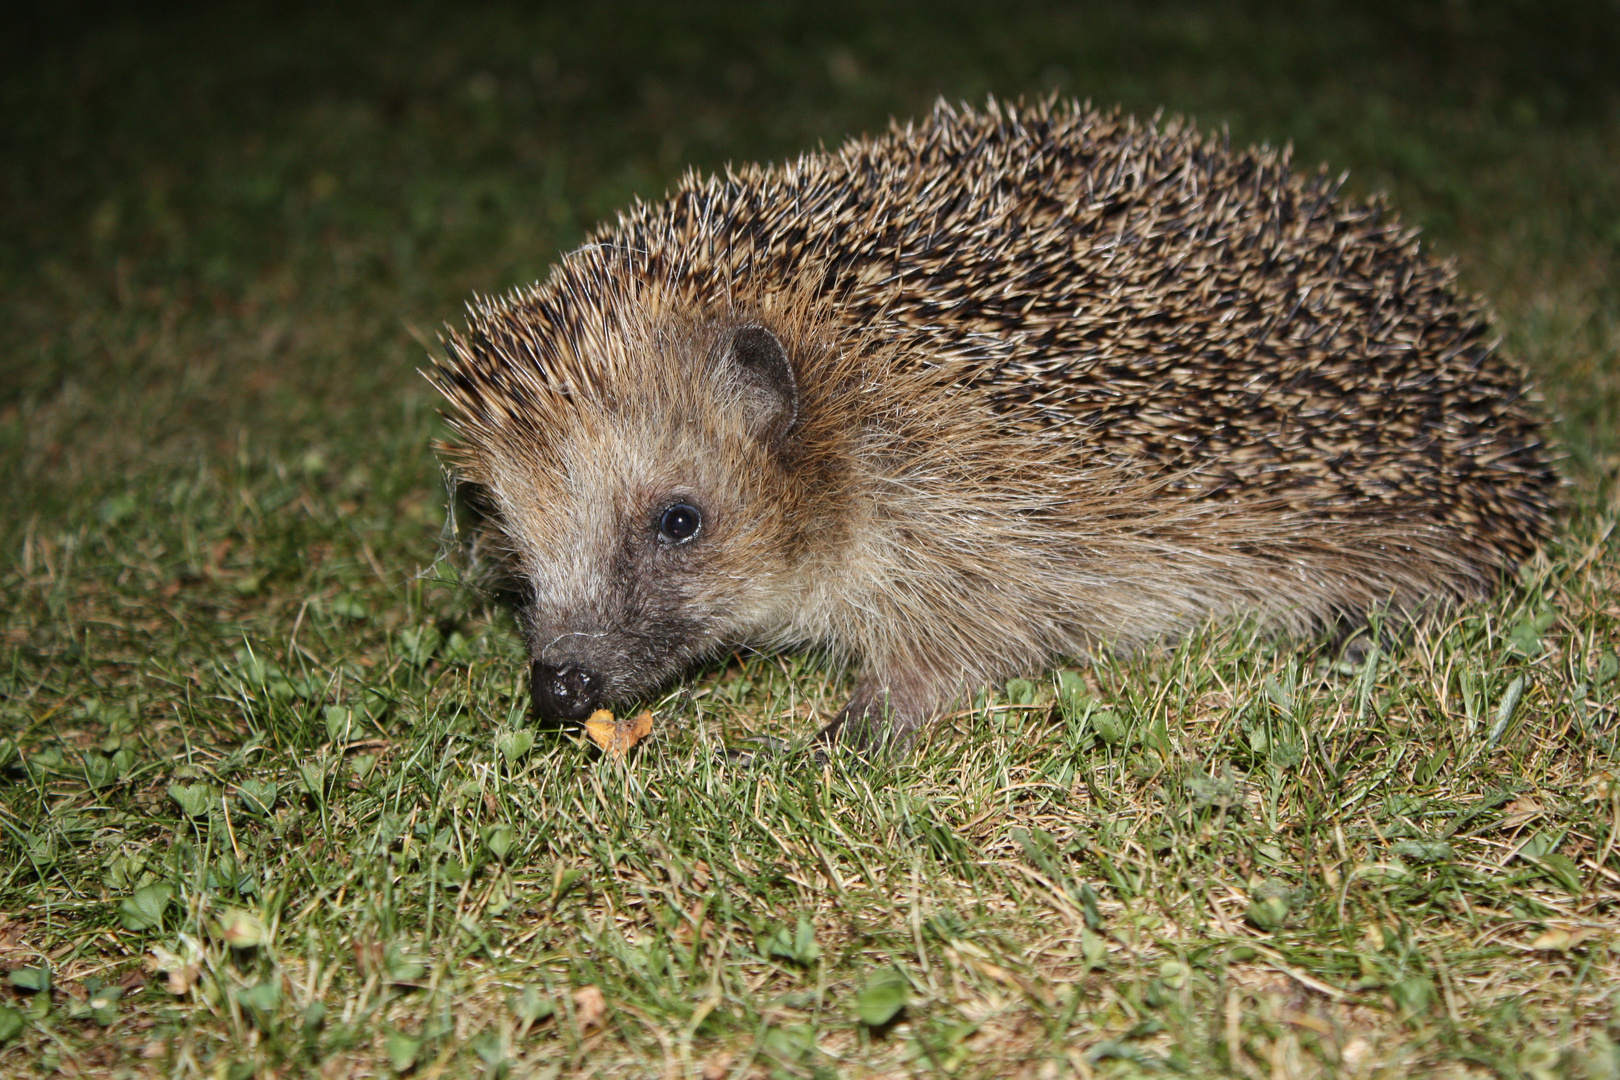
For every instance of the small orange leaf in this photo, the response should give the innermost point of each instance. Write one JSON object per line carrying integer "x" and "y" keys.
{"x": 616, "y": 737}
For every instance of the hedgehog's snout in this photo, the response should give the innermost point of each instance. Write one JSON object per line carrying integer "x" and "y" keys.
{"x": 568, "y": 692}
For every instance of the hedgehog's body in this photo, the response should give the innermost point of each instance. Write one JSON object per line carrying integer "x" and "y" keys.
{"x": 970, "y": 395}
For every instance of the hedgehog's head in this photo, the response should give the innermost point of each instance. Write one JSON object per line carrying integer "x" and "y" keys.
{"x": 644, "y": 485}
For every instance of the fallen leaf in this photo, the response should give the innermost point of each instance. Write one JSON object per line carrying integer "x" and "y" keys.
{"x": 590, "y": 1009}
{"x": 1314, "y": 1023}
{"x": 996, "y": 974}
{"x": 616, "y": 737}
{"x": 1520, "y": 811}
{"x": 717, "y": 1067}
{"x": 181, "y": 980}
{"x": 1603, "y": 786}
{"x": 1558, "y": 939}
{"x": 180, "y": 975}
{"x": 1356, "y": 1051}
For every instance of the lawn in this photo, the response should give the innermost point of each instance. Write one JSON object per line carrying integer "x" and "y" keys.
{"x": 271, "y": 800}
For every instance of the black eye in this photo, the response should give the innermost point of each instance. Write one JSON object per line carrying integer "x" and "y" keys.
{"x": 679, "y": 523}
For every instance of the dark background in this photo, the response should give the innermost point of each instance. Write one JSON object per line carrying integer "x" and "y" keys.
{"x": 243, "y": 221}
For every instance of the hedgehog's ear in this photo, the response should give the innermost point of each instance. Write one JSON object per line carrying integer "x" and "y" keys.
{"x": 769, "y": 393}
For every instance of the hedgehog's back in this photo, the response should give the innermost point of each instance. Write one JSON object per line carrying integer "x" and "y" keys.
{"x": 1140, "y": 294}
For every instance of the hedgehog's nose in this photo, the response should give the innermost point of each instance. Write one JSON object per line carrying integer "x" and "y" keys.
{"x": 565, "y": 693}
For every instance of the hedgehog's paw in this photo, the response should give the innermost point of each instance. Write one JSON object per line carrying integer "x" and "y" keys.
{"x": 875, "y": 723}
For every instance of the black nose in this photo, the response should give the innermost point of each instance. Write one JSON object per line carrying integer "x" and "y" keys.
{"x": 565, "y": 693}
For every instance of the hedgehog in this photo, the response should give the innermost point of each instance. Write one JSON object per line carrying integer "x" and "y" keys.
{"x": 1009, "y": 385}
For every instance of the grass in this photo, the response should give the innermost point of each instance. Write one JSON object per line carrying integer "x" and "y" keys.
{"x": 270, "y": 803}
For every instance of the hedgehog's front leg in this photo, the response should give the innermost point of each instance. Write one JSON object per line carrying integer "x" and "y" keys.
{"x": 888, "y": 710}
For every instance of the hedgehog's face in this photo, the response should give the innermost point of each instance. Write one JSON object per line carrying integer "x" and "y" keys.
{"x": 648, "y": 541}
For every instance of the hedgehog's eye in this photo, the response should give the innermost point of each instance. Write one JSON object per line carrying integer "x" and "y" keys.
{"x": 679, "y": 523}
